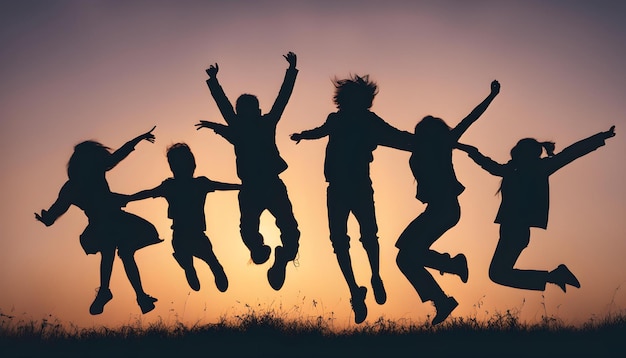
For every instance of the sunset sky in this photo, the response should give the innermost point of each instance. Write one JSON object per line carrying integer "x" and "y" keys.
{"x": 110, "y": 70}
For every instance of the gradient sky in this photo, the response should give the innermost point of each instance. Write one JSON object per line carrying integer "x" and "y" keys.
{"x": 110, "y": 70}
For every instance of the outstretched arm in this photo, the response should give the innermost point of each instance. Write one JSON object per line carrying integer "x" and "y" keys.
{"x": 144, "y": 194}
{"x": 218, "y": 128}
{"x": 224, "y": 105}
{"x": 225, "y": 186}
{"x": 458, "y": 131}
{"x": 58, "y": 208}
{"x": 390, "y": 136}
{"x": 579, "y": 149}
{"x": 493, "y": 167}
{"x": 285, "y": 89}
{"x": 315, "y": 133}
{"x": 128, "y": 147}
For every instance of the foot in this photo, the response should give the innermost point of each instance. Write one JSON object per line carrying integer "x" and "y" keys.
{"x": 562, "y": 276}
{"x": 460, "y": 264}
{"x": 358, "y": 304}
{"x": 221, "y": 281}
{"x": 103, "y": 296}
{"x": 379, "y": 290}
{"x": 444, "y": 308}
{"x": 276, "y": 273}
{"x": 261, "y": 255}
{"x": 146, "y": 302}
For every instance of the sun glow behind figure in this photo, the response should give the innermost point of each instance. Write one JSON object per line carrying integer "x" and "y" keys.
{"x": 84, "y": 71}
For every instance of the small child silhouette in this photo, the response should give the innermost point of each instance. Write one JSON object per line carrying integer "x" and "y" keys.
{"x": 259, "y": 165}
{"x": 109, "y": 228}
{"x": 525, "y": 204}
{"x": 186, "y": 197}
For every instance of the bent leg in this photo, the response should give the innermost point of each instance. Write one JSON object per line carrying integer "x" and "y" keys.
{"x": 251, "y": 206}
{"x": 513, "y": 240}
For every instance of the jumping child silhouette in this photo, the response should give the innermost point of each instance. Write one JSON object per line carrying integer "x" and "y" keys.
{"x": 258, "y": 166}
{"x": 186, "y": 196}
{"x": 438, "y": 188}
{"x": 525, "y": 204}
{"x": 110, "y": 228}
{"x": 353, "y": 133}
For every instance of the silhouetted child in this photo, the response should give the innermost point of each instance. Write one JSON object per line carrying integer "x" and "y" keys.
{"x": 110, "y": 228}
{"x": 525, "y": 204}
{"x": 353, "y": 134}
{"x": 258, "y": 166}
{"x": 186, "y": 197}
{"x": 438, "y": 188}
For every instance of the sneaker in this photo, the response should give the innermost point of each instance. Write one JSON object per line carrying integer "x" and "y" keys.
{"x": 562, "y": 276}
{"x": 261, "y": 255}
{"x": 276, "y": 273}
{"x": 221, "y": 281}
{"x": 460, "y": 263}
{"x": 379, "y": 290}
{"x": 358, "y": 304}
{"x": 444, "y": 309}
{"x": 102, "y": 297}
{"x": 146, "y": 303}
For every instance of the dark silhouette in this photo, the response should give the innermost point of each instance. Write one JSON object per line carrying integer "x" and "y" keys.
{"x": 438, "y": 188}
{"x": 525, "y": 204}
{"x": 186, "y": 196}
{"x": 110, "y": 228}
{"x": 353, "y": 134}
{"x": 258, "y": 166}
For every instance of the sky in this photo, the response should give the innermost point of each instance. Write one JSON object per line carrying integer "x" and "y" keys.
{"x": 111, "y": 70}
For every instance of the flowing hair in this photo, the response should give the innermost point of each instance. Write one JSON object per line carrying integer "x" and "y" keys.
{"x": 356, "y": 91}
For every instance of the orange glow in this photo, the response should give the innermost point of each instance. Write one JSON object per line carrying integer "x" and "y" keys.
{"x": 117, "y": 69}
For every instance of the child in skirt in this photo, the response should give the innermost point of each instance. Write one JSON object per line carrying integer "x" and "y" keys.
{"x": 525, "y": 204}
{"x": 110, "y": 228}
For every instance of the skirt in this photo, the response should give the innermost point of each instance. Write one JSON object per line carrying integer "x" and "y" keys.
{"x": 124, "y": 231}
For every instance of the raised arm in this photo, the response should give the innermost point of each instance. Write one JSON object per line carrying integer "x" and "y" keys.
{"x": 58, "y": 208}
{"x": 224, "y": 105}
{"x": 225, "y": 186}
{"x": 579, "y": 149}
{"x": 285, "y": 89}
{"x": 128, "y": 147}
{"x": 491, "y": 166}
{"x": 458, "y": 131}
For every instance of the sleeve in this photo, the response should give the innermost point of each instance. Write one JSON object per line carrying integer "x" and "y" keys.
{"x": 321, "y": 131}
{"x": 224, "y": 105}
{"x": 575, "y": 151}
{"x": 490, "y": 165}
{"x": 389, "y": 136}
{"x": 283, "y": 95}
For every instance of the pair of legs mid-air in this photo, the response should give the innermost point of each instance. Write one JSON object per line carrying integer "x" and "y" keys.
{"x": 253, "y": 201}
{"x": 415, "y": 255}
{"x": 513, "y": 240}
{"x": 341, "y": 202}
{"x": 190, "y": 245}
{"x": 145, "y": 301}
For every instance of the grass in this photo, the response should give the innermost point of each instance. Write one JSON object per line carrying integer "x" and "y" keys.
{"x": 270, "y": 333}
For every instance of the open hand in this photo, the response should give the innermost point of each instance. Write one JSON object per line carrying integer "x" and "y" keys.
{"x": 43, "y": 217}
{"x": 148, "y": 136}
{"x": 296, "y": 137}
{"x": 291, "y": 58}
{"x": 205, "y": 124}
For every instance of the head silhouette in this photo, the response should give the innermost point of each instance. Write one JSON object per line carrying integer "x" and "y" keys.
{"x": 529, "y": 149}
{"x": 431, "y": 130}
{"x": 354, "y": 93}
{"x": 89, "y": 160}
{"x": 181, "y": 160}
{"x": 247, "y": 106}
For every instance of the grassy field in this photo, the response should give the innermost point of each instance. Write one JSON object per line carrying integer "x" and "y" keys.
{"x": 269, "y": 334}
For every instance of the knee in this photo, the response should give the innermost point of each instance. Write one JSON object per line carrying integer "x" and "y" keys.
{"x": 369, "y": 242}
{"x": 126, "y": 255}
{"x": 403, "y": 260}
{"x": 498, "y": 273}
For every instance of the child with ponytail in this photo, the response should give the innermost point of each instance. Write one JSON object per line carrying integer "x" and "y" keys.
{"x": 525, "y": 204}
